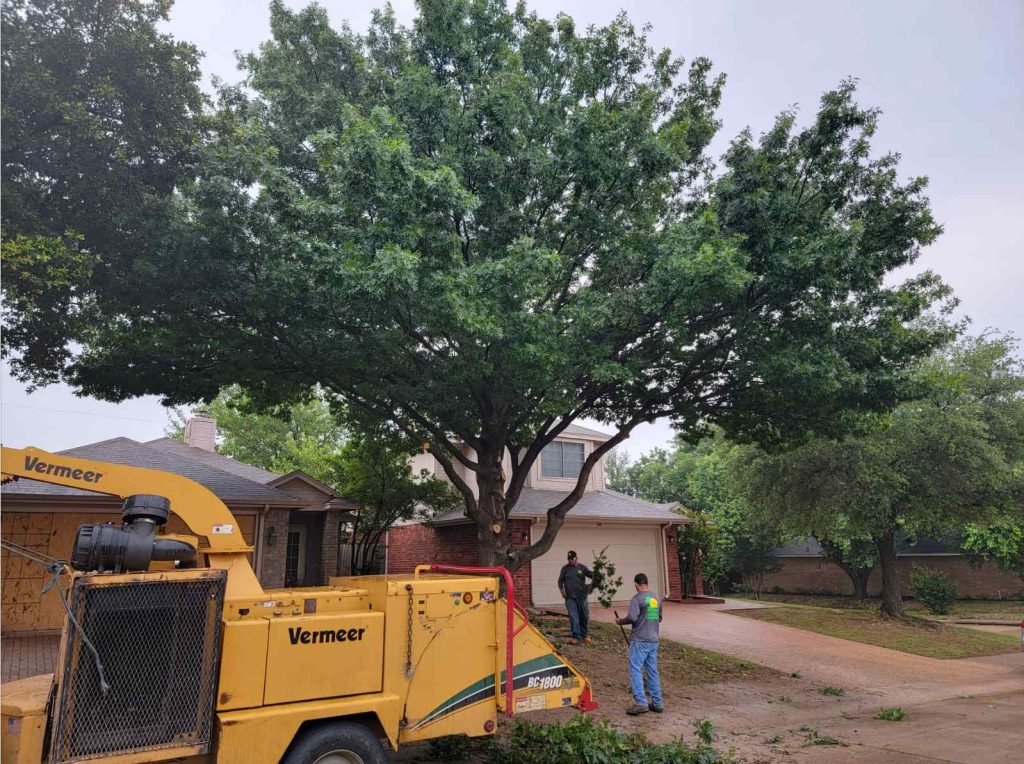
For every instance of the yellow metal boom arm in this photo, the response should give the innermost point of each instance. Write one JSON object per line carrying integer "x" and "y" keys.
{"x": 197, "y": 506}
{"x": 205, "y": 515}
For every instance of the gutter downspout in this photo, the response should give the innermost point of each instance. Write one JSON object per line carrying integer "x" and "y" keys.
{"x": 664, "y": 562}
{"x": 261, "y": 520}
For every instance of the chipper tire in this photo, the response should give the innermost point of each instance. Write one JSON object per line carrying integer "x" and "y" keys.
{"x": 337, "y": 743}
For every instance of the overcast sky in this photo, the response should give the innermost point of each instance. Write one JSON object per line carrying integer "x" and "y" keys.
{"x": 948, "y": 77}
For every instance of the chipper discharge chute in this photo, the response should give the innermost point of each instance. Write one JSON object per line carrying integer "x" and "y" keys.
{"x": 173, "y": 651}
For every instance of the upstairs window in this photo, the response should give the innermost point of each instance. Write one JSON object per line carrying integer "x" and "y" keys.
{"x": 561, "y": 460}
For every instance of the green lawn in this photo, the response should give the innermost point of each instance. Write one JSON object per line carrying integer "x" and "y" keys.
{"x": 978, "y": 610}
{"x": 917, "y": 636}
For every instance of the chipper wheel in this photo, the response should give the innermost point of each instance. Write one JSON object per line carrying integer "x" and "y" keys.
{"x": 336, "y": 743}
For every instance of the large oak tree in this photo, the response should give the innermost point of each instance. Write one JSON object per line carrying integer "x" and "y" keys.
{"x": 101, "y": 116}
{"x": 490, "y": 224}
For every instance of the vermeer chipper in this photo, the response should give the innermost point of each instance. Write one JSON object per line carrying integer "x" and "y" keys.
{"x": 196, "y": 661}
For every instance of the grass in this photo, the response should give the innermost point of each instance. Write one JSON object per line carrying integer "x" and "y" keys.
{"x": 891, "y": 714}
{"x": 679, "y": 664}
{"x": 917, "y": 636}
{"x": 814, "y": 738}
{"x": 978, "y": 610}
{"x": 835, "y": 691}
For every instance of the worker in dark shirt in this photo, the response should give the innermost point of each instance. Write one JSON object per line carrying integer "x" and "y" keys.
{"x": 645, "y": 618}
{"x": 572, "y": 583}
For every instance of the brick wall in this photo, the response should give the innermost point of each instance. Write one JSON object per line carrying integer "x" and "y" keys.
{"x": 273, "y": 555}
{"x": 675, "y": 576}
{"x": 329, "y": 549}
{"x": 412, "y": 545}
{"x": 815, "y": 575}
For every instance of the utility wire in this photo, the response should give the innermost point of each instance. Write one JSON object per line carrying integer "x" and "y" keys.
{"x": 83, "y": 413}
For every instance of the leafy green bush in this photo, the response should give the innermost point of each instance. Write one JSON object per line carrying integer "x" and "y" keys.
{"x": 448, "y": 748}
{"x": 933, "y": 588}
{"x": 605, "y": 582}
{"x": 581, "y": 740}
{"x": 837, "y": 691}
{"x": 891, "y": 714}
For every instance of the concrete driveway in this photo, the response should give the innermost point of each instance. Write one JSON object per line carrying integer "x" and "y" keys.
{"x": 969, "y": 710}
{"x": 892, "y": 675}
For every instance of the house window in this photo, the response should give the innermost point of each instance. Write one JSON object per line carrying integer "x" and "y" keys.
{"x": 295, "y": 557}
{"x": 561, "y": 460}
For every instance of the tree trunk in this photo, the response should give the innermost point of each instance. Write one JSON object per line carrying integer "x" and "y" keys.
{"x": 892, "y": 594}
{"x": 860, "y": 583}
{"x": 492, "y": 529}
{"x": 858, "y": 577}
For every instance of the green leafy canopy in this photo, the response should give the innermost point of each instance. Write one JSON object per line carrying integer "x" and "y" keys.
{"x": 488, "y": 224}
{"x": 949, "y": 464}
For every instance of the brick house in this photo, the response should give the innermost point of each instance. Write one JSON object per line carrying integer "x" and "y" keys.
{"x": 805, "y": 571}
{"x": 639, "y": 536}
{"x": 293, "y": 521}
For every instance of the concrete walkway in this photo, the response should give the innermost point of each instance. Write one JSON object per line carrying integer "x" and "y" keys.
{"x": 894, "y": 677}
{"x": 27, "y": 655}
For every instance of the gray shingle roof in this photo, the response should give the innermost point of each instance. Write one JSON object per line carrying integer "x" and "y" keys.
{"x": 213, "y": 459}
{"x": 809, "y": 547}
{"x": 226, "y": 486}
{"x": 586, "y": 432}
{"x": 595, "y": 505}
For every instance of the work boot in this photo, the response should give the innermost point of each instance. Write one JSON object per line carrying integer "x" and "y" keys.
{"x": 587, "y": 641}
{"x": 571, "y": 640}
{"x": 636, "y": 709}
{"x": 656, "y": 709}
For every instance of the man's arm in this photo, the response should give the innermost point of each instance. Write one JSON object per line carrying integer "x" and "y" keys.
{"x": 561, "y": 582}
{"x": 633, "y": 616}
{"x": 587, "y": 571}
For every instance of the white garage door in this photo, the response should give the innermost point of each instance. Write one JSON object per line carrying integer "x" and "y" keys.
{"x": 633, "y": 550}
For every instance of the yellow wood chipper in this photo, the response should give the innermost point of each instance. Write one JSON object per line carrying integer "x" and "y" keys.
{"x": 196, "y": 661}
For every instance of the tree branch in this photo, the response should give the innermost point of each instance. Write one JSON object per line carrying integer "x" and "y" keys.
{"x": 556, "y": 514}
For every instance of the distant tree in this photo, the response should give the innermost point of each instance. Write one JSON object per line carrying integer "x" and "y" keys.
{"x": 698, "y": 553}
{"x": 1000, "y": 542}
{"x": 305, "y": 435}
{"x": 855, "y": 553}
{"x": 101, "y": 117}
{"x": 937, "y": 465}
{"x": 364, "y": 461}
{"x": 616, "y": 471}
{"x": 660, "y": 475}
{"x": 374, "y": 472}
{"x": 735, "y": 542}
{"x": 489, "y": 224}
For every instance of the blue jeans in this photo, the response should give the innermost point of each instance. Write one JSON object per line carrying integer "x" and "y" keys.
{"x": 579, "y": 617}
{"x": 644, "y": 655}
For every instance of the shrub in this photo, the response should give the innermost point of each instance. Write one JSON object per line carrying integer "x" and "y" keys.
{"x": 837, "y": 691}
{"x": 813, "y": 738}
{"x": 933, "y": 588}
{"x": 449, "y": 748}
{"x": 605, "y": 582}
{"x": 891, "y": 714}
{"x": 581, "y": 740}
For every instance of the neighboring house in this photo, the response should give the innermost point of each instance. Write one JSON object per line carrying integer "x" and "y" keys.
{"x": 293, "y": 521}
{"x": 805, "y": 571}
{"x": 639, "y": 536}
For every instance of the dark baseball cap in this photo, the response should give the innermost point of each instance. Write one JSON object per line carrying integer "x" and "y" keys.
{"x": 571, "y": 555}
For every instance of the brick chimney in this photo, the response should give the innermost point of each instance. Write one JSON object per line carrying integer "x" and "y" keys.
{"x": 201, "y": 432}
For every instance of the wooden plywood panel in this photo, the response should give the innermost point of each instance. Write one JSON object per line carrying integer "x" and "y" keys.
{"x": 24, "y": 606}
